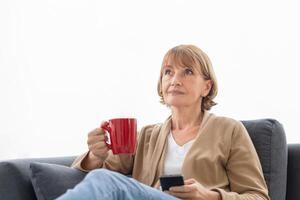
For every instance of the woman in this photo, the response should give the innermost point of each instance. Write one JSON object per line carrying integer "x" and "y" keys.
{"x": 214, "y": 154}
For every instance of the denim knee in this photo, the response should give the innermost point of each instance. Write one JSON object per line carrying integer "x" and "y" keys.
{"x": 104, "y": 178}
{"x": 103, "y": 174}
{"x": 99, "y": 173}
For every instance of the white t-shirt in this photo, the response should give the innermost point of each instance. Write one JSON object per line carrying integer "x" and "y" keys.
{"x": 175, "y": 155}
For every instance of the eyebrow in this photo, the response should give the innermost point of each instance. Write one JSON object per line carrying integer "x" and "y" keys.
{"x": 171, "y": 66}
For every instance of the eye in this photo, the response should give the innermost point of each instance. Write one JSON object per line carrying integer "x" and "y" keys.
{"x": 188, "y": 71}
{"x": 167, "y": 72}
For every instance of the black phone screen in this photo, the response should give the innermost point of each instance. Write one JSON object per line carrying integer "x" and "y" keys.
{"x": 168, "y": 181}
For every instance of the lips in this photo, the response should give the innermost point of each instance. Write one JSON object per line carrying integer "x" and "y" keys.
{"x": 175, "y": 92}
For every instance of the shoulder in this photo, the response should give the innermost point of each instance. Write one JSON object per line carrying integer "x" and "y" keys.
{"x": 224, "y": 122}
{"x": 226, "y": 127}
{"x": 230, "y": 132}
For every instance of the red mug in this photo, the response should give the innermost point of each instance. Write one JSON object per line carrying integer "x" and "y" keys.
{"x": 122, "y": 135}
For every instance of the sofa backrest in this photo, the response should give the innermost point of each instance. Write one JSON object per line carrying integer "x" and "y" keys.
{"x": 269, "y": 139}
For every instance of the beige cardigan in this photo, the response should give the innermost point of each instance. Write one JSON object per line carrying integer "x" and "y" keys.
{"x": 222, "y": 158}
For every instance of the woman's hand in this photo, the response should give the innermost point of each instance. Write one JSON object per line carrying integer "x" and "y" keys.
{"x": 193, "y": 190}
{"x": 96, "y": 143}
{"x": 98, "y": 150}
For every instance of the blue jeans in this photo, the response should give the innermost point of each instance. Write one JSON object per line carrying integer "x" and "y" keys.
{"x": 106, "y": 184}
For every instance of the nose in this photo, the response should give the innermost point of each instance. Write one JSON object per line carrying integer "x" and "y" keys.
{"x": 176, "y": 80}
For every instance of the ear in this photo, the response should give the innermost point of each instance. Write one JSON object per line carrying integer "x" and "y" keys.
{"x": 207, "y": 87}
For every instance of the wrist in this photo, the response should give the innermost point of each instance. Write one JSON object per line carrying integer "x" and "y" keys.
{"x": 91, "y": 161}
{"x": 214, "y": 195}
{"x": 94, "y": 159}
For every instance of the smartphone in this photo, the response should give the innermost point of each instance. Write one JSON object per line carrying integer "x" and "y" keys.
{"x": 167, "y": 181}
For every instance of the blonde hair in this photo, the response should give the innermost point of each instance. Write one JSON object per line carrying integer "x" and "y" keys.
{"x": 192, "y": 56}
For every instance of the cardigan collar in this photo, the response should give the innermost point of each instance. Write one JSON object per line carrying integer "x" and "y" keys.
{"x": 158, "y": 158}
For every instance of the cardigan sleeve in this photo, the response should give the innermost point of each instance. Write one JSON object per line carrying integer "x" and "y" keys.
{"x": 243, "y": 169}
{"x": 122, "y": 163}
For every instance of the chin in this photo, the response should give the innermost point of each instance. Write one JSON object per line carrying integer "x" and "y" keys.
{"x": 176, "y": 103}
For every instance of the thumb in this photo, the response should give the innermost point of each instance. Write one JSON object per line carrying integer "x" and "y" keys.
{"x": 103, "y": 124}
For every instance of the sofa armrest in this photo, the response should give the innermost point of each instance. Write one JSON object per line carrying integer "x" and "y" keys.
{"x": 293, "y": 173}
{"x": 15, "y": 176}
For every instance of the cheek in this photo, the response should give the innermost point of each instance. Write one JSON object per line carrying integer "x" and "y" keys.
{"x": 164, "y": 84}
{"x": 194, "y": 88}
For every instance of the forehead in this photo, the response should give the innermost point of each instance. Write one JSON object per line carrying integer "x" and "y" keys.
{"x": 179, "y": 59}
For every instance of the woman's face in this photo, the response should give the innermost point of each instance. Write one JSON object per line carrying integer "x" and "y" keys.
{"x": 183, "y": 86}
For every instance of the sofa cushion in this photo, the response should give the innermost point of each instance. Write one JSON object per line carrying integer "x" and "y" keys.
{"x": 269, "y": 140}
{"x": 15, "y": 181}
{"x": 50, "y": 181}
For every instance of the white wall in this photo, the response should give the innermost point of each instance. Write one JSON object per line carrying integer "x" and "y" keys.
{"x": 67, "y": 65}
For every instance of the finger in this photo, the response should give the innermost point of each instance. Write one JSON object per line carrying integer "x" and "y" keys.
{"x": 181, "y": 194}
{"x": 98, "y": 146}
{"x": 185, "y": 195}
{"x": 189, "y": 181}
{"x": 96, "y": 131}
{"x": 184, "y": 188}
{"x": 103, "y": 123}
{"x": 167, "y": 192}
{"x": 95, "y": 140}
{"x": 97, "y": 137}
{"x": 101, "y": 152}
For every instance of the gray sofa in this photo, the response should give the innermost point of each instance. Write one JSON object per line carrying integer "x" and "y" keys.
{"x": 280, "y": 163}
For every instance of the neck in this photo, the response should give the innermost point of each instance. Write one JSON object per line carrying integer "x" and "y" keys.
{"x": 186, "y": 117}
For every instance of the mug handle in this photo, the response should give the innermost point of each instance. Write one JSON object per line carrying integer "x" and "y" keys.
{"x": 107, "y": 128}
